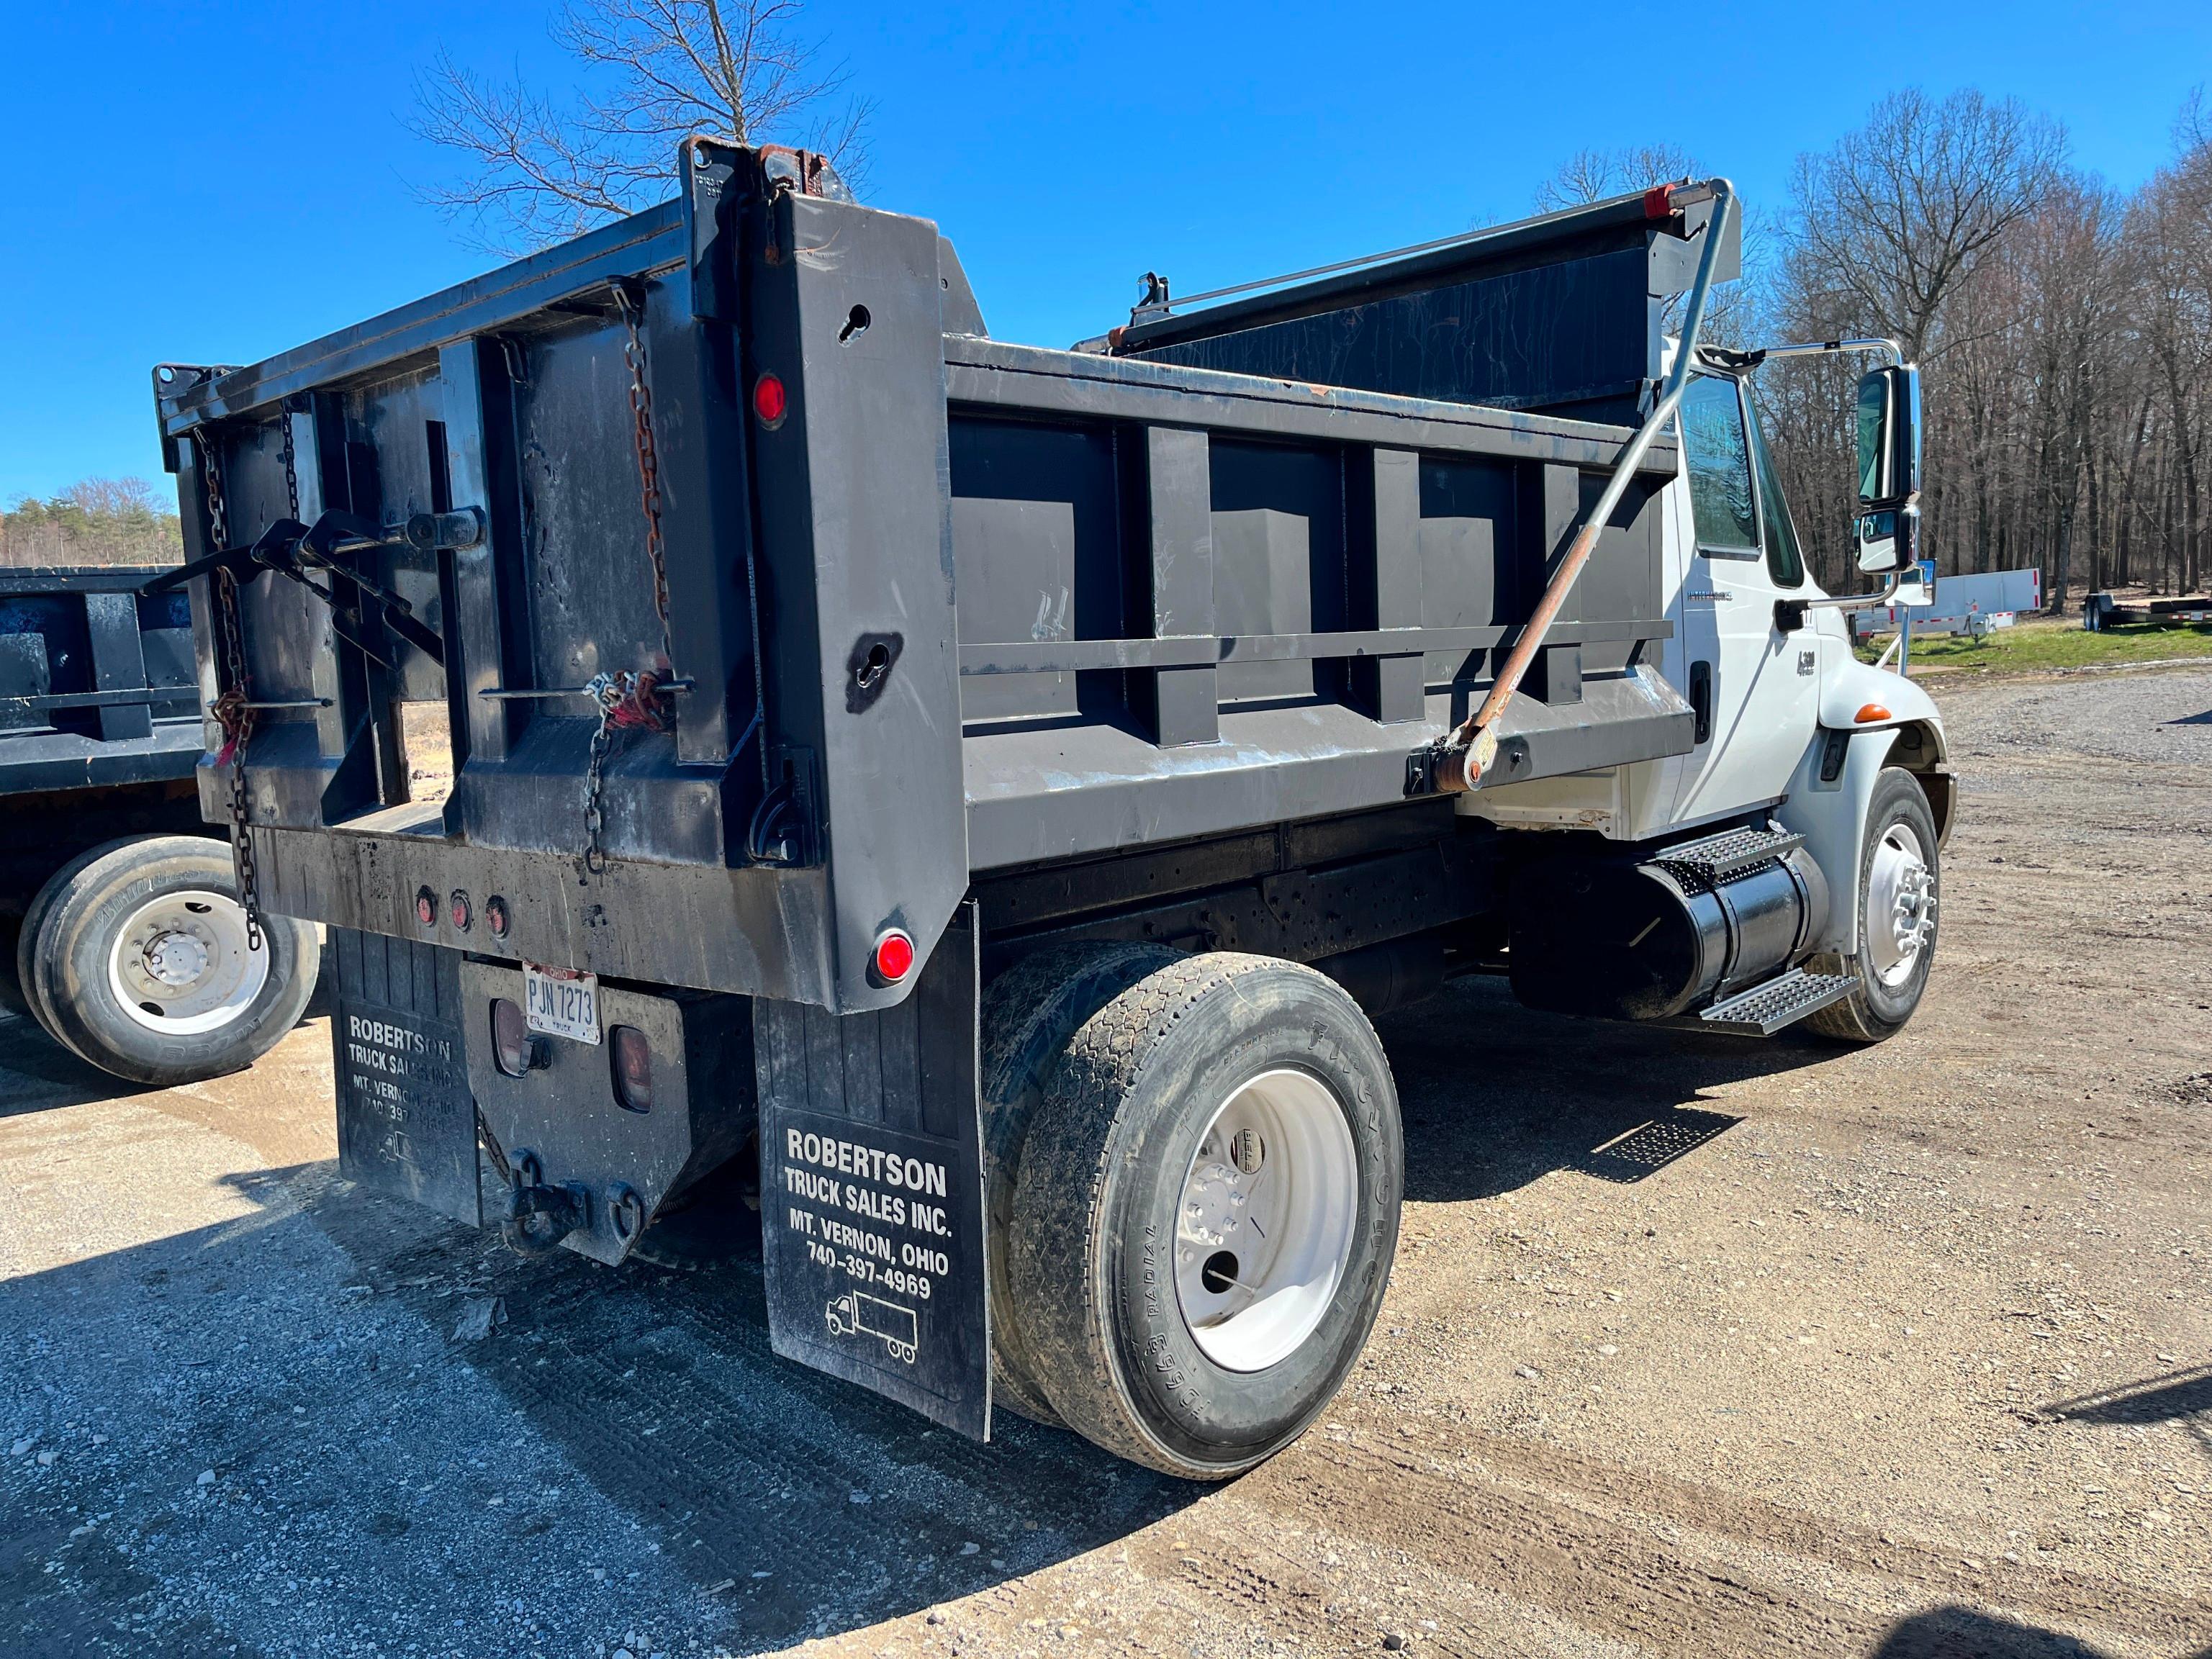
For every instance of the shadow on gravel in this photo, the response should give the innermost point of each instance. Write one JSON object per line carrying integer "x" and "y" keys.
{"x": 1957, "y": 1632}
{"x": 1495, "y": 1096}
{"x": 51, "y": 1076}
{"x": 2184, "y": 1397}
{"x": 368, "y": 1473}
{"x": 803, "y": 1505}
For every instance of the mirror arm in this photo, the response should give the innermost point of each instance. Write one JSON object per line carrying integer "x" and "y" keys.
{"x": 1891, "y": 349}
{"x": 1858, "y": 601}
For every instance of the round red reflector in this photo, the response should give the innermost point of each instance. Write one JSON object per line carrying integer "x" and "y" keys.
{"x": 769, "y": 400}
{"x": 460, "y": 911}
{"x": 1869, "y": 712}
{"x": 426, "y": 907}
{"x": 894, "y": 956}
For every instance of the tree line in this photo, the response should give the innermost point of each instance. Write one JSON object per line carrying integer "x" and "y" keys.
{"x": 2063, "y": 326}
{"x": 99, "y": 521}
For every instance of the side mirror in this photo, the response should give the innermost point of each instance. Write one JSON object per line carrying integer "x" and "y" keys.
{"x": 1888, "y": 540}
{"x": 1889, "y": 469}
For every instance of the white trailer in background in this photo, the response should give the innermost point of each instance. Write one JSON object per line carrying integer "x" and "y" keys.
{"x": 1974, "y": 604}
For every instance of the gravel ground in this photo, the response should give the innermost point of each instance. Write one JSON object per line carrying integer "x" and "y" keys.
{"x": 1694, "y": 1347}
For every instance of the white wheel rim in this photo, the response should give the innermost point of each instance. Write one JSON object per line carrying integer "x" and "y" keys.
{"x": 1900, "y": 905}
{"x": 181, "y": 965}
{"x": 1265, "y": 1226}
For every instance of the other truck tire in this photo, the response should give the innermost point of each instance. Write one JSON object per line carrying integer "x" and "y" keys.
{"x": 1899, "y": 889}
{"x": 135, "y": 958}
{"x": 1165, "y": 1319}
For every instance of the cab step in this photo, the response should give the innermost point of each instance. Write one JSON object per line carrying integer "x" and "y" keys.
{"x": 1783, "y": 1000}
{"x": 1706, "y": 863}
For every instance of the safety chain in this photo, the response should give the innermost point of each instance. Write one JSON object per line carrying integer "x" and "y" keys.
{"x": 291, "y": 462}
{"x": 233, "y": 709}
{"x": 628, "y": 701}
{"x": 648, "y": 465}
{"x": 631, "y": 700}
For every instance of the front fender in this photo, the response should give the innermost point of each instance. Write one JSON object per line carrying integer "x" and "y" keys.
{"x": 1832, "y": 816}
{"x": 1851, "y": 685}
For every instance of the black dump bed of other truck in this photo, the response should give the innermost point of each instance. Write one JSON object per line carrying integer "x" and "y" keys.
{"x": 938, "y": 607}
{"x": 99, "y": 719}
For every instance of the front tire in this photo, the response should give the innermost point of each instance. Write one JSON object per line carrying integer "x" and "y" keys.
{"x": 139, "y": 963}
{"x": 1900, "y": 887}
{"x": 1205, "y": 1213}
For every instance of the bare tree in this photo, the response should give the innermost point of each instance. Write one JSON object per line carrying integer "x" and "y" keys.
{"x": 2172, "y": 234}
{"x": 1899, "y": 212}
{"x": 1592, "y": 176}
{"x": 653, "y": 71}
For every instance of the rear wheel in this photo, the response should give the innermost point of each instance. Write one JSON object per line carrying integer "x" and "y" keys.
{"x": 1899, "y": 886}
{"x": 141, "y": 962}
{"x": 1205, "y": 1213}
{"x": 1030, "y": 1013}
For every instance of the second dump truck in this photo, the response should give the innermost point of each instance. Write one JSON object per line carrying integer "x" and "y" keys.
{"x": 954, "y": 806}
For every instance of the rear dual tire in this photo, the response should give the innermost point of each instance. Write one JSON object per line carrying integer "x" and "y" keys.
{"x": 134, "y": 956}
{"x": 1196, "y": 1170}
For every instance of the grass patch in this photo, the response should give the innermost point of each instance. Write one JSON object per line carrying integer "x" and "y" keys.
{"x": 2038, "y": 646}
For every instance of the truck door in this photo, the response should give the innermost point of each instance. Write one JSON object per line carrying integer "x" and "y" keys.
{"x": 1755, "y": 686}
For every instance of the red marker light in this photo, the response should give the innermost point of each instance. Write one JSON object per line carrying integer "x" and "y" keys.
{"x": 426, "y": 907}
{"x": 769, "y": 401}
{"x": 894, "y": 958}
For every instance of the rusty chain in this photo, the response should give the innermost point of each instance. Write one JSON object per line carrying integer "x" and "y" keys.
{"x": 630, "y": 699}
{"x": 233, "y": 709}
{"x": 648, "y": 465}
{"x": 627, "y": 702}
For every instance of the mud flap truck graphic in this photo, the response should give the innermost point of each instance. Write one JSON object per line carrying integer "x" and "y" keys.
{"x": 858, "y": 1314}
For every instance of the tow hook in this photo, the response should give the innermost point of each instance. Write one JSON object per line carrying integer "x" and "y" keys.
{"x": 538, "y": 1216}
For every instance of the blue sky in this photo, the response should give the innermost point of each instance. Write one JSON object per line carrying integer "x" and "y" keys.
{"x": 214, "y": 183}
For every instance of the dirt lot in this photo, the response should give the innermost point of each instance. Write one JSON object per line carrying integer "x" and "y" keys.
{"x": 1904, "y": 1352}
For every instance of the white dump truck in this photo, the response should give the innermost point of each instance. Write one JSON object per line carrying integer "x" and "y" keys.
{"x": 950, "y": 807}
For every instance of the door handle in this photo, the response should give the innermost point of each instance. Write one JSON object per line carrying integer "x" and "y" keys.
{"x": 1701, "y": 699}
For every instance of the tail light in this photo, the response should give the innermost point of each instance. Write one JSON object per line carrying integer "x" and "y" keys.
{"x": 630, "y": 1057}
{"x": 894, "y": 956}
{"x": 769, "y": 401}
{"x": 510, "y": 1038}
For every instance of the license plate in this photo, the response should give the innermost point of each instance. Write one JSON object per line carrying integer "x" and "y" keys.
{"x": 560, "y": 1002}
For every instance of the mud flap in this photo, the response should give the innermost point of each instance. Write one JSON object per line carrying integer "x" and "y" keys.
{"x": 407, "y": 1122}
{"x": 871, "y": 1189}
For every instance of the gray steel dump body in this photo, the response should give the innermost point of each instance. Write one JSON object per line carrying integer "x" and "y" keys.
{"x": 962, "y": 607}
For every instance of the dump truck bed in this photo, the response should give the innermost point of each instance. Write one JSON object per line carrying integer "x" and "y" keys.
{"x": 951, "y": 606}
